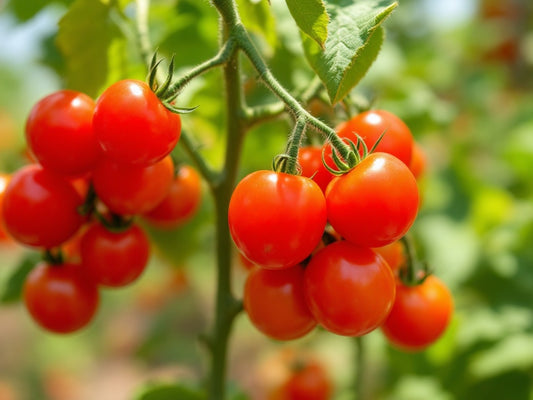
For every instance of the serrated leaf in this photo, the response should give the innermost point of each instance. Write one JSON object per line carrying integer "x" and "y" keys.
{"x": 311, "y": 17}
{"x": 354, "y": 40}
{"x": 258, "y": 18}
{"x": 85, "y": 34}
{"x": 12, "y": 291}
{"x": 169, "y": 392}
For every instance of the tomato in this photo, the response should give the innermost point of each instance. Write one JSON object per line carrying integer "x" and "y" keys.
{"x": 420, "y": 314}
{"x": 276, "y": 219}
{"x": 274, "y": 301}
{"x": 114, "y": 259}
{"x": 180, "y": 203}
{"x": 375, "y": 203}
{"x": 394, "y": 254}
{"x": 133, "y": 126}
{"x": 309, "y": 381}
{"x": 132, "y": 189}
{"x": 59, "y": 133}
{"x": 397, "y": 140}
{"x": 40, "y": 208}
{"x": 59, "y": 297}
{"x": 349, "y": 289}
{"x": 310, "y": 160}
{"x": 418, "y": 164}
{"x": 4, "y": 180}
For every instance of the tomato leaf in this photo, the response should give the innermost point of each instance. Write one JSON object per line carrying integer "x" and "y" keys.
{"x": 353, "y": 43}
{"x": 311, "y": 17}
{"x": 85, "y": 35}
{"x": 12, "y": 291}
{"x": 169, "y": 392}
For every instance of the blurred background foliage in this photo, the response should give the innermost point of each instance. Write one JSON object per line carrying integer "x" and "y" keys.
{"x": 460, "y": 73}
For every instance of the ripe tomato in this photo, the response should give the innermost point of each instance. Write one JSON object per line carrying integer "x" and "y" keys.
{"x": 418, "y": 164}
{"x": 310, "y": 159}
{"x": 180, "y": 203}
{"x": 133, "y": 126}
{"x": 397, "y": 140}
{"x": 274, "y": 301}
{"x": 114, "y": 259}
{"x": 349, "y": 289}
{"x": 59, "y": 297}
{"x": 394, "y": 254}
{"x": 132, "y": 189}
{"x": 4, "y": 180}
{"x": 40, "y": 208}
{"x": 276, "y": 219}
{"x": 375, "y": 203}
{"x": 59, "y": 132}
{"x": 420, "y": 314}
{"x": 309, "y": 381}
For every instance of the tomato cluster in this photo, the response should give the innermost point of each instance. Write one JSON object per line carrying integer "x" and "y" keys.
{"x": 98, "y": 166}
{"x": 327, "y": 248}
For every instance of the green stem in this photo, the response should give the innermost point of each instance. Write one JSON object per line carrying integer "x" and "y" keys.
{"x": 142, "y": 31}
{"x": 293, "y": 146}
{"x": 262, "y": 113}
{"x": 360, "y": 369}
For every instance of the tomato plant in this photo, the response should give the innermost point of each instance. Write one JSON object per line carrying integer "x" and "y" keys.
{"x": 310, "y": 160}
{"x": 308, "y": 380}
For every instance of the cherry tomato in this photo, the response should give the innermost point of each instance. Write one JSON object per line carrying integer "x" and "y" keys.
{"x": 59, "y": 297}
{"x": 133, "y": 126}
{"x": 309, "y": 381}
{"x": 274, "y": 301}
{"x": 4, "y": 180}
{"x": 114, "y": 259}
{"x": 132, "y": 189}
{"x": 180, "y": 203}
{"x": 369, "y": 125}
{"x": 418, "y": 164}
{"x": 40, "y": 208}
{"x": 375, "y": 203}
{"x": 420, "y": 314}
{"x": 276, "y": 219}
{"x": 349, "y": 289}
{"x": 59, "y": 132}
{"x": 394, "y": 254}
{"x": 310, "y": 160}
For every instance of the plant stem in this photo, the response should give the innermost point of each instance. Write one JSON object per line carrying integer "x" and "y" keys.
{"x": 360, "y": 369}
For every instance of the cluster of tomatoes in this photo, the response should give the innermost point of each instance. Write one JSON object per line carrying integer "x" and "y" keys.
{"x": 316, "y": 239}
{"x": 97, "y": 166}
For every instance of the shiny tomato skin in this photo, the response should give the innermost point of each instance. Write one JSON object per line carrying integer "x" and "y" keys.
{"x": 309, "y": 382}
{"x": 59, "y": 133}
{"x": 375, "y": 203}
{"x": 40, "y": 208}
{"x": 397, "y": 140}
{"x": 420, "y": 314}
{"x": 133, "y": 126}
{"x": 132, "y": 189}
{"x": 310, "y": 160}
{"x": 60, "y": 298}
{"x": 418, "y": 164}
{"x": 114, "y": 259}
{"x": 393, "y": 254}
{"x": 181, "y": 201}
{"x": 349, "y": 289}
{"x": 4, "y": 180}
{"x": 276, "y": 219}
{"x": 274, "y": 301}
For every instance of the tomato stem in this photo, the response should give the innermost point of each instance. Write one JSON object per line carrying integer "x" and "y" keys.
{"x": 414, "y": 271}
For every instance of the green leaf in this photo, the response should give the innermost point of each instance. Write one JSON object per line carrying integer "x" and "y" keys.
{"x": 311, "y": 17}
{"x": 257, "y": 17}
{"x": 85, "y": 34}
{"x": 353, "y": 43}
{"x": 12, "y": 291}
{"x": 169, "y": 392}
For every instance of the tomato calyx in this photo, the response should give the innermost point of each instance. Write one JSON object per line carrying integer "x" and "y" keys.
{"x": 53, "y": 257}
{"x": 415, "y": 271}
{"x": 114, "y": 222}
{"x": 89, "y": 205}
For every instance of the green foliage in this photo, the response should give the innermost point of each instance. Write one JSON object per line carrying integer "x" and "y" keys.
{"x": 169, "y": 392}
{"x": 12, "y": 291}
{"x": 311, "y": 17}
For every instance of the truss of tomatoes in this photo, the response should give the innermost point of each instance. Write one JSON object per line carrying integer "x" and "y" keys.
{"x": 98, "y": 165}
{"x": 349, "y": 285}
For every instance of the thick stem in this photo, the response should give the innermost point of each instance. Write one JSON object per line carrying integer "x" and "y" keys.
{"x": 360, "y": 378}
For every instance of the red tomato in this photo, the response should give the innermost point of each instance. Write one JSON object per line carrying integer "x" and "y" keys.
{"x": 375, "y": 203}
{"x": 132, "y": 189}
{"x": 349, "y": 289}
{"x": 59, "y": 297}
{"x": 308, "y": 382}
{"x": 418, "y": 164}
{"x": 180, "y": 203}
{"x": 59, "y": 132}
{"x": 114, "y": 259}
{"x": 133, "y": 126}
{"x": 274, "y": 301}
{"x": 4, "y": 180}
{"x": 394, "y": 254}
{"x": 40, "y": 208}
{"x": 276, "y": 219}
{"x": 397, "y": 140}
{"x": 310, "y": 159}
{"x": 420, "y": 314}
